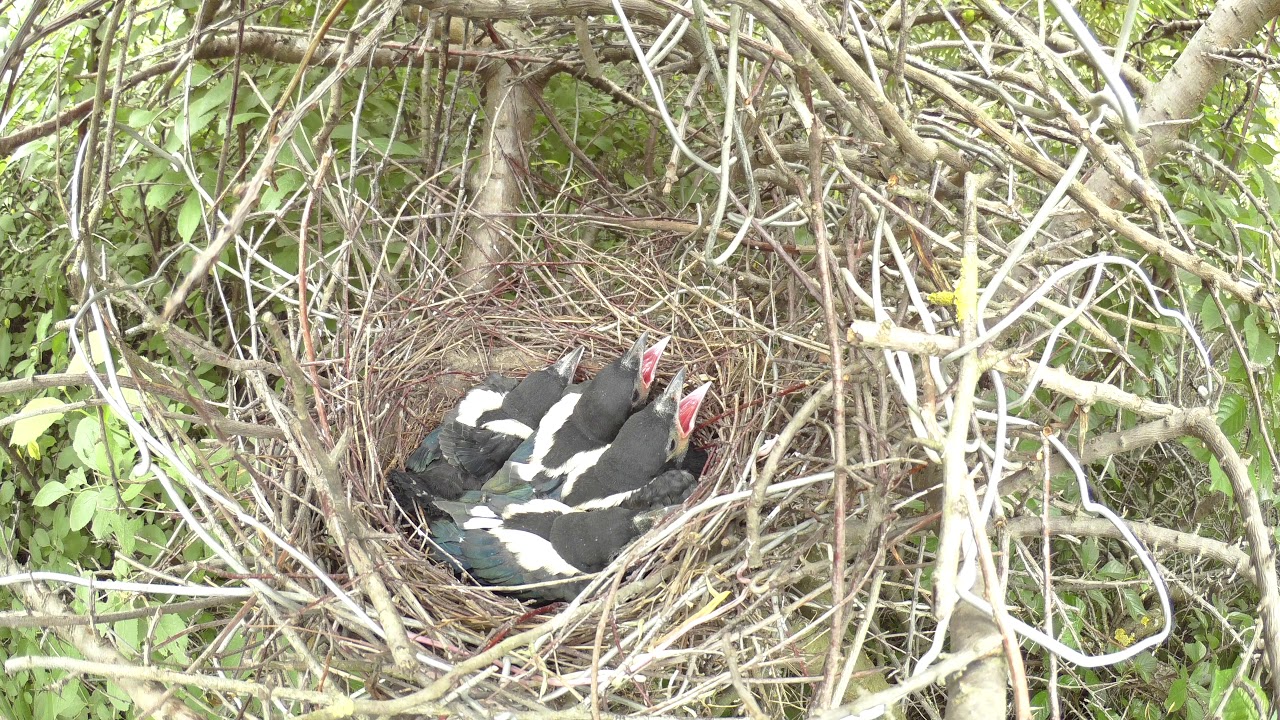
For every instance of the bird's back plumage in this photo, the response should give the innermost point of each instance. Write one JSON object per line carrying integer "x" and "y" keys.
{"x": 476, "y": 436}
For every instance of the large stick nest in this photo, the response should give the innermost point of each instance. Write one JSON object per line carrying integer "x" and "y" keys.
{"x": 728, "y": 606}
{"x": 651, "y": 612}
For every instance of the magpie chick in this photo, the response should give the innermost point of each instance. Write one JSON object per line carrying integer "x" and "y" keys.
{"x": 490, "y": 421}
{"x": 584, "y": 420}
{"x": 546, "y": 544}
{"x": 651, "y": 442}
{"x": 494, "y": 418}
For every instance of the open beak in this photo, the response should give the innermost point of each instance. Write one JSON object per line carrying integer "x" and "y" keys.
{"x": 649, "y": 362}
{"x": 688, "y": 409}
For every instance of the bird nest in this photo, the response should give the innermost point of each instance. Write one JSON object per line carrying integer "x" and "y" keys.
{"x": 735, "y": 584}
{"x": 262, "y": 441}
{"x": 656, "y": 630}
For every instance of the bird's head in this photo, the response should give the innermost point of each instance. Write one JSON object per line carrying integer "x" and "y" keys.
{"x": 530, "y": 399}
{"x": 623, "y": 385}
{"x": 681, "y": 413}
{"x": 686, "y": 413}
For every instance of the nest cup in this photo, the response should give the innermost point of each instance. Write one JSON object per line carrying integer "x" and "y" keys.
{"x": 410, "y": 361}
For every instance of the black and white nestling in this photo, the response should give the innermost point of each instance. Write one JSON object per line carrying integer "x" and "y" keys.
{"x": 651, "y": 443}
{"x": 478, "y": 435}
{"x": 587, "y": 418}
{"x": 493, "y": 419}
{"x": 544, "y": 542}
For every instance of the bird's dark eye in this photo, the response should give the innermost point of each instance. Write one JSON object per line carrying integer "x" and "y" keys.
{"x": 671, "y": 446}
{"x": 635, "y": 396}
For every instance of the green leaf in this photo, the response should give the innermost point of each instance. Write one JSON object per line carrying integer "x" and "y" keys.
{"x": 126, "y": 532}
{"x": 1089, "y": 553}
{"x": 160, "y": 194}
{"x": 95, "y": 343}
{"x": 27, "y": 431}
{"x": 171, "y": 636}
{"x": 1251, "y": 330}
{"x": 1262, "y": 349}
{"x": 138, "y": 118}
{"x": 102, "y": 526}
{"x": 86, "y": 442}
{"x": 191, "y": 125}
{"x": 244, "y": 117}
{"x": 136, "y": 249}
{"x": 1189, "y": 217}
{"x": 1219, "y": 479}
{"x": 50, "y": 493}
{"x": 1261, "y": 153}
{"x": 1231, "y": 414}
{"x": 73, "y": 702}
{"x": 46, "y": 705}
{"x": 1177, "y": 696}
{"x": 282, "y": 187}
{"x": 1239, "y": 706}
{"x": 83, "y": 508}
{"x": 1210, "y": 318}
{"x": 75, "y": 478}
{"x": 189, "y": 216}
{"x": 214, "y": 98}
{"x": 1114, "y": 569}
{"x": 129, "y": 633}
{"x": 1133, "y": 604}
{"x": 1146, "y": 666}
{"x": 132, "y": 490}
{"x": 153, "y": 170}
{"x": 197, "y": 72}
{"x": 42, "y": 326}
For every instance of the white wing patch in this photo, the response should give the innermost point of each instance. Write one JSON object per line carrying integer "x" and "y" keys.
{"x": 480, "y": 521}
{"x": 537, "y": 505}
{"x": 534, "y": 553}
{"x": 575, "y": 467}
{"x": 476, "y": 402}
{"x": 605, "y": 502}
{"x": 507, "y": 426}
{"x": 481, "y": 518}
{"x": 551, "y": 423}
{"x": 524, "y": 471}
